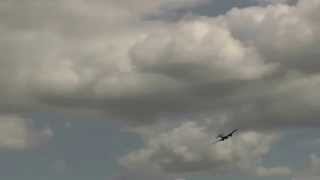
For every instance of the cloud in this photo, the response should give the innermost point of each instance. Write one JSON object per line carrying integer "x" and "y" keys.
{"x": 186, "y": 149}
{"x": 60, "y": 166}
{"x": 274, "y": 171}
{"x": 314, "y": 165}
{"x": 255, "y": 68}
{"x": 142, "y": 70}
{"x": 306, "y": 178}
{"x": 145, "y": 71}
{"x": 201, "y": 51}
{"x": 138, "y": 174}
{"x": 293, "y": 35}
{"x": 17, "y": 133}
{"x": 311, "y": 169}
{"x": 268, "y": 2}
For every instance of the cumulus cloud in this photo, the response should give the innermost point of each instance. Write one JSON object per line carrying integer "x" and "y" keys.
{"x": 138, "y": 174}
{"x": 306, "y": 178}
{"x": 142, "y": 70}
{"x": 17, "y": 133}
{"x": 257, "y": 68}
{"x": 311, "y": 170}
{"x": 314, "y": 164}
{"x": 200, "y": 51}
{"x": 268, "y": 2}
{"x": 187, "y": 149}
{"x": 294, "y": 35}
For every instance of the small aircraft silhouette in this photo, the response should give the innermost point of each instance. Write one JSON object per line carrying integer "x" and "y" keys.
{"x": 222, "y": 137}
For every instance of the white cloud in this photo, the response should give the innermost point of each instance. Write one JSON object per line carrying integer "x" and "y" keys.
{"x": 186, "y": 149}
{"x": 152, "y": 70}
{"x": 274, "y": 171}
{"x": 311, "y": 170}
{"x": 201, "y": 51}
{"x": 60, "y": 166}
{"x": 257, "y": 67}
{"x": 17, "y": 133}
{"x": 268, "y": 2}
{"x": 306, "y": 178}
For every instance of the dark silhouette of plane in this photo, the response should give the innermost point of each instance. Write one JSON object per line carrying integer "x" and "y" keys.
{"x": 222, "y": 137}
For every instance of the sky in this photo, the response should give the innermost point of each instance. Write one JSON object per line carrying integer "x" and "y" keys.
{"x": 137, "y": 90}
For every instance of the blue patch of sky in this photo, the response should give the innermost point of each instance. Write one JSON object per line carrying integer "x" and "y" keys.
{"x": 85, "y": 148}
{"x": 218, "y": 7}
{"x": 210, "y": 9}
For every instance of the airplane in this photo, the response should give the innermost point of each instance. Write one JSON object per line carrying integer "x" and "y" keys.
{"x": 222, "y": 137}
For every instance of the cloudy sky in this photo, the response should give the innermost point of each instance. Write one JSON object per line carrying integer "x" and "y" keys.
{"x": 137, "y": 89}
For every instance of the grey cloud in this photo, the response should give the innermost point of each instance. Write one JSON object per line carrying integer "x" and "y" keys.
{"x": 161, "y": 69}
{"x": 198, "y": 51}
{"x": 257, "y": 67}
{"x": 311, "y": 169}
{"x": 186, "y": 149}
{"x": 138, "y": 175}
{"x": 268, "y": 2}
{"x": 314, "y": 164}
{"x": 17, "y": 133}
{"x": 281, "y": 33}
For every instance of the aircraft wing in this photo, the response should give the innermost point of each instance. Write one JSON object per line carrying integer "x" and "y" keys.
{"x": 230, "y": 134}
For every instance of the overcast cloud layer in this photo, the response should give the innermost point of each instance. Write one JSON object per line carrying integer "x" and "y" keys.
{"x": 178, "y": 82}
